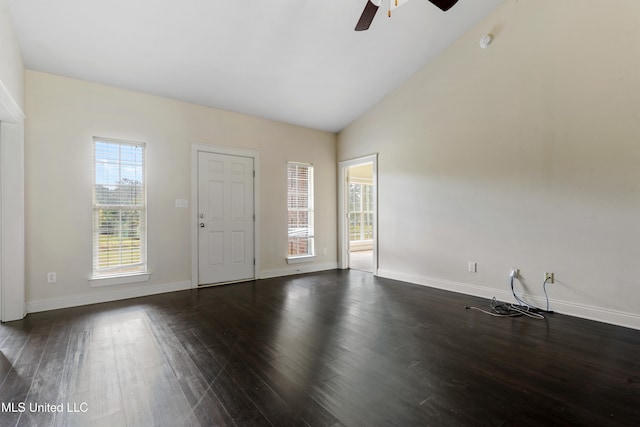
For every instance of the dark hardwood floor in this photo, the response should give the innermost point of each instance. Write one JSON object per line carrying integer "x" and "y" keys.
{"x": 338, "y": 348}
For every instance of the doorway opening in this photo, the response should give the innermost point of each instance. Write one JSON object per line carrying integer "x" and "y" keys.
{"x": 358, "y": 219}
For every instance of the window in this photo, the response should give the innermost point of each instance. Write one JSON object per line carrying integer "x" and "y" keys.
{"x": 119, "y": 214}
{"x": 360, "y": 212}
{"x": 300, "y": 210}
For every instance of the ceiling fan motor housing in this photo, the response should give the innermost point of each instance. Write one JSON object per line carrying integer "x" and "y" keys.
{"x": 372, "y": 7}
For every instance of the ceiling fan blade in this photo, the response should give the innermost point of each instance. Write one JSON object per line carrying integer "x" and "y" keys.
{"x": 367, "y": 16}
{"x": 444, "y": 5}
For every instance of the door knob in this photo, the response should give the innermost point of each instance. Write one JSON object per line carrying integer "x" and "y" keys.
{"x": 202, "y": 225}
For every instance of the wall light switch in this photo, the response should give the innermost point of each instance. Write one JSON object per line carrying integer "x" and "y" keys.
{"x": 182, "y": 203}
{"x": 473, "y": 267}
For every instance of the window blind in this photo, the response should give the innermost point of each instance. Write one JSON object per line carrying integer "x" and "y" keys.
{"x": 300, "y": 209}
{"x": 119, "y": 207}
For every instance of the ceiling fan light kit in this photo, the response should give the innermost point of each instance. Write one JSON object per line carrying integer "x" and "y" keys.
{"x": 372, "y": 7}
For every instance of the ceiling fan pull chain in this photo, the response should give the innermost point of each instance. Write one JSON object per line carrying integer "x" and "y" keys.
{"x": 389, "y": 13}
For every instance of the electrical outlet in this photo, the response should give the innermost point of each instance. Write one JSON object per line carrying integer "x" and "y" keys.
{"x": 51, "y": 277}
{"x": 473, "y": 267}
{"x": 548, "y": 277}
{"x": 515, "y": 273}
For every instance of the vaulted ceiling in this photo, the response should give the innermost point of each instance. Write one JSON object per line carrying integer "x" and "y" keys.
{"x": 295, "y": 61}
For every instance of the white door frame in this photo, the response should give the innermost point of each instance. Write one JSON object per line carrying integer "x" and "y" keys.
{"x": 12, "y": 251}
{"x": 343, "y": 229}
{"x": 218, "y": 149}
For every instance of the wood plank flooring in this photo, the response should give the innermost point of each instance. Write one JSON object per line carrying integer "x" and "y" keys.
{"x": 338, "y": 348}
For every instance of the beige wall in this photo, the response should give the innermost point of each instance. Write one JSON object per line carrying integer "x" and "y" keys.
{"x": 525, "y": 154}
{"x": 363, "y": 173}
{"x": 63, "y": 116}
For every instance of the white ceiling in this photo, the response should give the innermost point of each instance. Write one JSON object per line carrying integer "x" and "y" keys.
{"x": 295, "y": 61}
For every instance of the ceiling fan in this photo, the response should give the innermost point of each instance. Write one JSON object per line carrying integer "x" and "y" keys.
{"x": 372, "y": 6}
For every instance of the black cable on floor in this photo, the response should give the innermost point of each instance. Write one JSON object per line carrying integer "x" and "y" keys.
{"x": 503, "y": 309}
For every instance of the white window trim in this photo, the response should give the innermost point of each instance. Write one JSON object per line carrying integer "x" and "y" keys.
{"x": 310, "y": 257}
{"x": 106, "y": 279}
{"x": 300, "y": 259}
{"x": 362, "y": 183}
{"x": 97, "y": 281}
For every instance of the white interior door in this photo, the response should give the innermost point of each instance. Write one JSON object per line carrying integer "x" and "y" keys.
{"x": 226, "y": 218}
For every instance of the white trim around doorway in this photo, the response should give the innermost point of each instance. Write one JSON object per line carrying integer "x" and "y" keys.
{"x": 197, "y": 147}
{"x": 343, "y": 229}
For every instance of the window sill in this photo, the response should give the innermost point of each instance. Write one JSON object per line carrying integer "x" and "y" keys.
{"x": 97, "y": 281}
{"x": 301, "y": 259}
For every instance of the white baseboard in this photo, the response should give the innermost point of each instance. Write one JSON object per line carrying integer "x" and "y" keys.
{"x": 46, "y": 304}
{"x": 35, "y": 306}
{"x": 620, "y": 318}
{"x": 298, "y": 269}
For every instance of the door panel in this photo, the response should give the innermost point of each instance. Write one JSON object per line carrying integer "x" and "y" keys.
{"x": 216, "y": 199}
{"x": 226, "y": 228}
{"x": 216, "y": 245}
{"x": 237, "y": 247}
{"x": 237, "y": 201}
